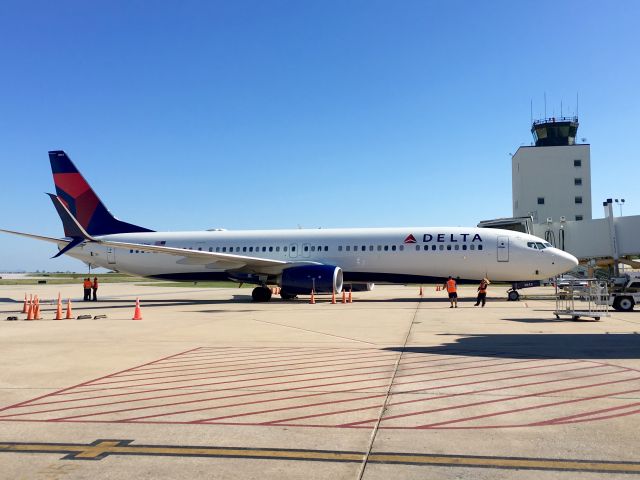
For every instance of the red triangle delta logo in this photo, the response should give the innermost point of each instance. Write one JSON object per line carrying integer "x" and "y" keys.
{"x": 410, "y": 239}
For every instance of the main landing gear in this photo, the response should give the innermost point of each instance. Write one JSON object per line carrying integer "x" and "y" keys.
{"x": 261, "y": 294}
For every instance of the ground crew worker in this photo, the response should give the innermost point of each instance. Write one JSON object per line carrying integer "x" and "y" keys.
{"x": 452, "y": 290}
{"x": 482, "y": 292}
{"x": 87, "y": 289}
{"x": 94, "y": 287}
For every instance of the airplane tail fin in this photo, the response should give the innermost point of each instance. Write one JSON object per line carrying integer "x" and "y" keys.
{"x": 83, "y": 203}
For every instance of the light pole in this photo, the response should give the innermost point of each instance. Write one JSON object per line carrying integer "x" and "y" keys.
{"x": 620, "y": 204}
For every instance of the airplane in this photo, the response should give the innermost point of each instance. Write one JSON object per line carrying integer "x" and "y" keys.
{"x": 296, "y": 260}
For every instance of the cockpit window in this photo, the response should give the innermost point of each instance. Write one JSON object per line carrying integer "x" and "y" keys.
{"x": 531, "y": 245}
{"x": 547, "y": 244}
{"x": 540, "y": 245}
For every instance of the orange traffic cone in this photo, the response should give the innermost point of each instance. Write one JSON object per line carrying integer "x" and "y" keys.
{"x": 59, "y": 309}
{"x": 421, "y": 291}
{"x": 36, "y": 309}
{"x": 333, "y": 296}
{"x": 313, "y": 298}
{"x": 350, "y": 297}
{"x": 344, "y": 296}
{"x": 69, "y": 314}
{"x": 137, "y": 314}
{"x": 30, "y": 311}
{"x": 24, "y": 305}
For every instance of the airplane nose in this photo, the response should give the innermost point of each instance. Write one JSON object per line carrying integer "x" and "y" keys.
{"x": 565, "y": 261}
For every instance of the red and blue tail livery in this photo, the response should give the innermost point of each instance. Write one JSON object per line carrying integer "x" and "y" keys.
{"x": 83, "y": 203}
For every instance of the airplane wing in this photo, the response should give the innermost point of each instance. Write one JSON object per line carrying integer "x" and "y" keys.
{"x": 58, "y": 241}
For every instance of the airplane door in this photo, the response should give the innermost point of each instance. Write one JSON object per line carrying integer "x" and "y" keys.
{"x": 111, "y": 256}
{"x": 503, "y": 249}
{"x": 305, "y": 249}
{"x": 293, "y": 250}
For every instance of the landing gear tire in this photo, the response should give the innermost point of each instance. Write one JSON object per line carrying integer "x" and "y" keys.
{"x": 513, "y": 296}
{"x": 261, "y": 294}
{"x": 287, "y": 296}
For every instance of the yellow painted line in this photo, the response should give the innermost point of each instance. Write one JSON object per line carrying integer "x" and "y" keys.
{"x": 102, "y": 448}
{"x": 496, "y": 462}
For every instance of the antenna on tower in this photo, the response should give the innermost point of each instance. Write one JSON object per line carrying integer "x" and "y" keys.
{"x": 531, "y": 111}
{"x": 577, "y": 105}
{"x": 545, "y": 104}
{"x": 560, "y": 108}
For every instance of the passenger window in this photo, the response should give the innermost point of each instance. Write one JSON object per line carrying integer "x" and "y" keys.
{"x": 251, "y": 249}
{"x": 224, "y": 249}
{"x": 457, "y": 247}
{"x": 386, "y": 248}
{"x": 379, "y": 248}
{"x": 284, "y": 249}
{"x": 264, "y": 249}
{"x": 326, "y": 248}
{"x": 355, "y": 248}
{"x": 472, "y": 247}
{"x": 425, "y": 248}
{"x": 371, "y": 248}
{"x": 271, "y": 249}
{"x": 244, "y": 249}
{"x": 464, "y": 247}
{"x": 433, "y": 247}
{"x": 401, "y": 247}
{"x": 199, "y": 249}
{"x": 319, "y": 249}
{"x": 417, "y": 248}
{"x": 306, "y": 249}
{"x": 348, "y": 248}
{"x": 448, "y": 247}
{"x": 217, "y": 249}
{"x": 313, "y": 248}
{"x": 130, "y": 251}
{"x": 364, "y": 248}
{"x": 393, "y": 248}
{"x": 277, "y": 249}
{"x": 441, "y": 247}
{"x": 339, "y": 248}
{"x": 479, "y": 247}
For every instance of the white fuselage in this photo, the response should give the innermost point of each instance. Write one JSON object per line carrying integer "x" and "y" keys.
{"x": 364, "y": 254}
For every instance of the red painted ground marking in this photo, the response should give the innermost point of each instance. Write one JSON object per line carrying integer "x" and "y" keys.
{"x": 294, "y": 375}
{"x": 252, "y": 393}
{"x": 253, "y": 372}
{"x": 233, "y": 405}
{"x": 84, "y": 383}
{"x": 544, "y": 405}
{"x": 423, "y": 371}
{"x": 254, "y": 355}
{"x": 535, "y": 407}
{"x": 230, "y": 405}
{"x": 563, "y": 420}
{"x": 471, "y": 392}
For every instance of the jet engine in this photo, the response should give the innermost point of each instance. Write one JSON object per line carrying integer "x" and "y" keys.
{"x": 322, "y": 278}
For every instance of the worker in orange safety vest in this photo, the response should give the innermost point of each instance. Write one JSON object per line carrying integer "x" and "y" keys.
{"x": 452, "y": 290}
{"x": 482, "y": 292}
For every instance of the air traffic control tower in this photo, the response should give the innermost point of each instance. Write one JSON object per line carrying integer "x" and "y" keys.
{"x": 551, "y": 180}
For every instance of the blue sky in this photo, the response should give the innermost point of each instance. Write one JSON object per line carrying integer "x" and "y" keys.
{"x": 278, "y": 114}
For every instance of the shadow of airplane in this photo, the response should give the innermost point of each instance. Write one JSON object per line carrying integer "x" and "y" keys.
{"x": 575, "y": 346}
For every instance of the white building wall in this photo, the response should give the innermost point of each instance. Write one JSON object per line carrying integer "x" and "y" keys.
{"x": 549, "y": 173}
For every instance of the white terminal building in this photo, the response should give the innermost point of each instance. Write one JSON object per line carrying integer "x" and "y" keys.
{"x": 551, "y": 188}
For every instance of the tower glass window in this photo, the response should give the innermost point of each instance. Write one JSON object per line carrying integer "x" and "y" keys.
{"x": 540, "y": 200}
{"x": 577, "y": 181}
{"x": 577, "y": 163}
{"x": 578, "y": 199}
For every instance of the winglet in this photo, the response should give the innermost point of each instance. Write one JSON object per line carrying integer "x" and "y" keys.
{"x": 71, "y": 226}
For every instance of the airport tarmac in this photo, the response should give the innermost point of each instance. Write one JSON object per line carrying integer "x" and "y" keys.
{"x": 211, "y": 385}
